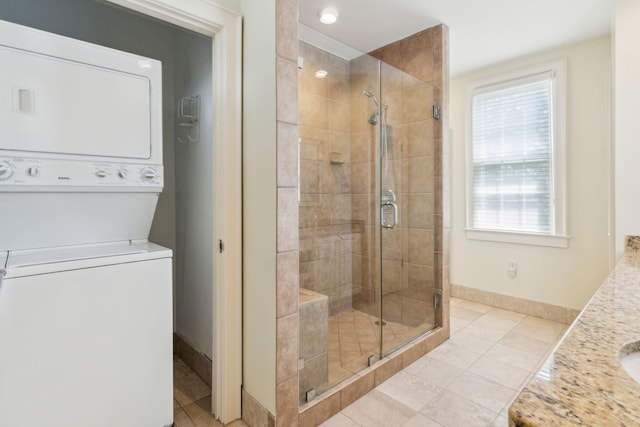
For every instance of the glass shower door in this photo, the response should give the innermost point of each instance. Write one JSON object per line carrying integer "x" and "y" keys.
{"x": 406, "y": 196}
{"x": 365, "y": 215}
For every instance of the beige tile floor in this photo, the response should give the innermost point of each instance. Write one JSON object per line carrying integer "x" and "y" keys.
{"x": 192, "y": 399}
{"x": 354, "y": 336}
{"x": 470, "y": 380}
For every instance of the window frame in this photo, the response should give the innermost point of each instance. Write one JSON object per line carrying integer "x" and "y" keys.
{"x": 558, "y": 237}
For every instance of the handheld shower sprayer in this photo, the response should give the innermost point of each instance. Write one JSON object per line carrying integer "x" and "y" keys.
{"x": 388, "y": 196}
{"x": 371, "y": 96}
{"x": 373, "y": 119}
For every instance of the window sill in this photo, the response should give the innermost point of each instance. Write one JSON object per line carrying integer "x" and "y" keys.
{"x": 555, "y": 241}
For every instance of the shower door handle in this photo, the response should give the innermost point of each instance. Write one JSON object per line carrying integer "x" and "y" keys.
{"x": 383, "y": 221}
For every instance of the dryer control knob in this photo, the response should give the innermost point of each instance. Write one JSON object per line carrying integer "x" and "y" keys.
{"x": 148, "y": 175}
{"x": 33, "y": 171}
{"x": 122, "y": 174}
{"x": 6, "y": 170}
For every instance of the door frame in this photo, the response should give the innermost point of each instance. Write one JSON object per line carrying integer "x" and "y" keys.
{"x": 225, "y": 27}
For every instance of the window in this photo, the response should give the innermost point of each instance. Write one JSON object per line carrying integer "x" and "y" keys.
{"x": 515, "y": 190}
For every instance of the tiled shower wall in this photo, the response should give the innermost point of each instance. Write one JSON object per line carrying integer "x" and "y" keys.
{"x": 325, "y": 177}
{"x": 287, "y": 257}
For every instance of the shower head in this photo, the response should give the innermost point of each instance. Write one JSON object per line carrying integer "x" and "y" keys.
{"x": 373, "y": 120}
{"x": 371, "y": 96}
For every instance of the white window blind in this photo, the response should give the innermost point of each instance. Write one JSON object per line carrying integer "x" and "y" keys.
{"x": 512, "y": 156}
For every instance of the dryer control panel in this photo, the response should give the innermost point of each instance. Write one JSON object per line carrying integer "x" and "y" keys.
{"x": 37, "y": 174}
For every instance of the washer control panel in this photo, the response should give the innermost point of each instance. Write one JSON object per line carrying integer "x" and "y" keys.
{"x": 25, "y": 173}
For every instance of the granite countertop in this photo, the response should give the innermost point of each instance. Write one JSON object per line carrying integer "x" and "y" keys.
{"x": 582, "y": 381}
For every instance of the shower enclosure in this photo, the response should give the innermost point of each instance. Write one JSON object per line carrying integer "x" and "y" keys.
{"x": 366, "y": 156}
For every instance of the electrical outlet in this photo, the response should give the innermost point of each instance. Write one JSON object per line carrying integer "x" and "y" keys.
{"x": 512, "y": 269}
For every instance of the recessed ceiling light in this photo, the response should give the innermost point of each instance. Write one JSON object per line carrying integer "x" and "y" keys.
{"x": 328, "y": 15}
{"x": 321, "y": 74}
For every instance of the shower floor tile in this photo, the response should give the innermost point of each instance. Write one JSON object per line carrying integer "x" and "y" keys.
{"x": 470, "y": 380}
{"x": 354, "y": 336}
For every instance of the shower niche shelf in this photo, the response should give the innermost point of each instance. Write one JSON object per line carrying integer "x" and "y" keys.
{"x": 336, "y": 158}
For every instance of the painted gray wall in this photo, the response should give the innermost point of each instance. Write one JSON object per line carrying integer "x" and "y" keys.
{"x": 194, "y": 204}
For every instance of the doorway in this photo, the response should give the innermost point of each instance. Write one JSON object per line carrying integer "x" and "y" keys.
{"x": 88, "y": 21}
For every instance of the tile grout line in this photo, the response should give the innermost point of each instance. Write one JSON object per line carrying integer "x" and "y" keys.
{"x": 483, "y": 317}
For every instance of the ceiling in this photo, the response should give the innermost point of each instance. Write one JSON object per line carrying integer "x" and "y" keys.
{"x": 481, "y": 32}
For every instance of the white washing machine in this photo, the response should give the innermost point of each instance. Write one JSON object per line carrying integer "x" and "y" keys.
{"x": 85, "y": 300}
{"x": 86, "y": 339}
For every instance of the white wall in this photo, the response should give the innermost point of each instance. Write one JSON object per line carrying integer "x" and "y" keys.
{"x": 259, "y": 201}
{"x": 194, "y": 197}
{"x": 233, "y": 5}
{"x": 627, "y": 121}
{"x": 565, "y": 277}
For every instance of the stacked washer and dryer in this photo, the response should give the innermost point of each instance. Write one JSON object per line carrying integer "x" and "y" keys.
{"x": 85, "y": 300}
